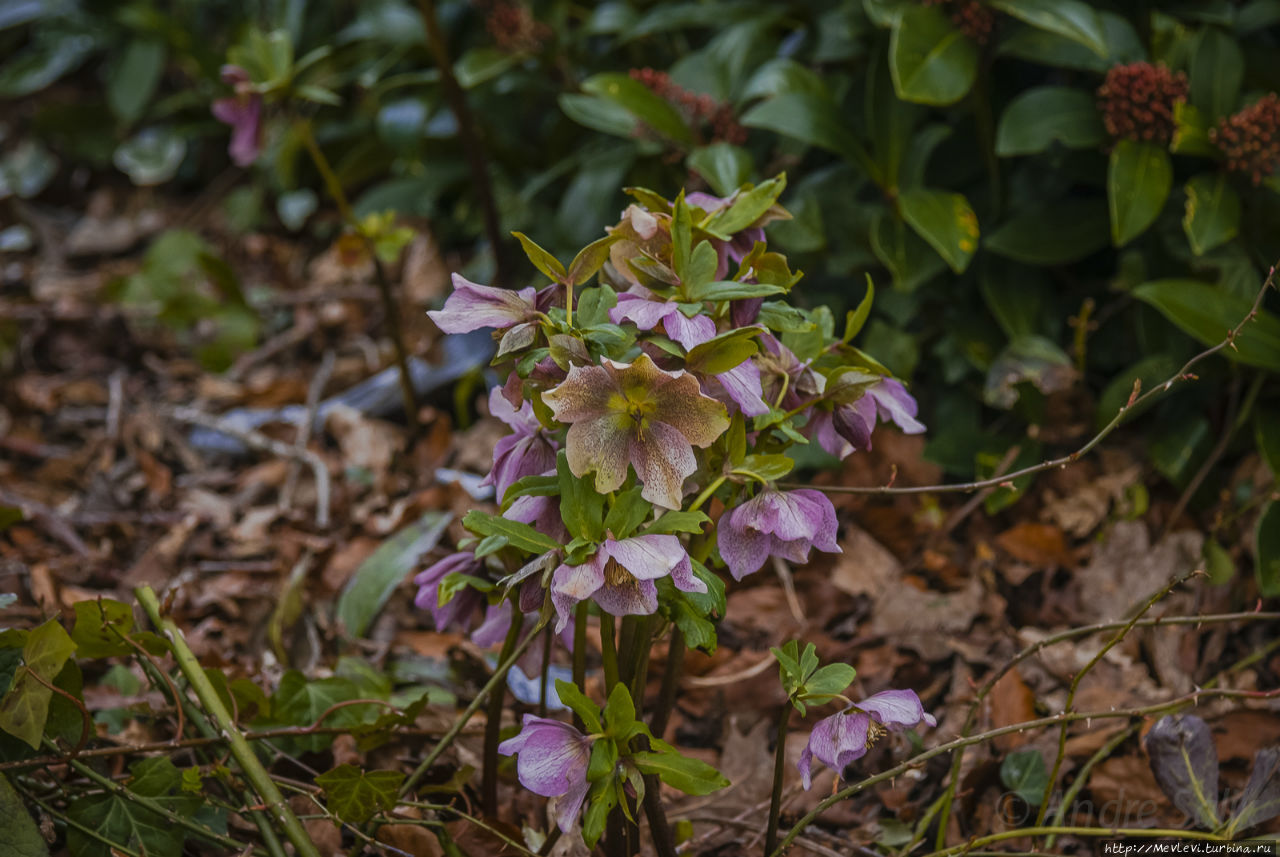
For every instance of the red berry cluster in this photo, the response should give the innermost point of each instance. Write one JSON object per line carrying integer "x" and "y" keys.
{"x": 969, "y": 17}
{"x": 1137, "y": 101}
{"x": 697, "y": 108}
{"x": 1251, "y": 138}
{"x": 513, "y": 29}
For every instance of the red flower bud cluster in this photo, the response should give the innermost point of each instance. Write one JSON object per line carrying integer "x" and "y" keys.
{"x": 1136, "y": 101}
{"x": 1251, "y": 138}
{"x": 513, "y": 29}
{"x": 969, "y": 17}
{"x": 696, "y": 108}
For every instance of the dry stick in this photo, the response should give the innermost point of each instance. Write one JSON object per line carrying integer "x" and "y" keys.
{"x": 334, "y": 186}
{"x": 263, "y": 443}
{"x": 1057, "y": 719}
{"x": 779, "y": 763}
{"x": 472, "y": 147}
{"x": 1156, "y": 598}
{"x": 1182, "y": 374}
{"x": 240, "y": 748}
{"x": 499, "y": 674}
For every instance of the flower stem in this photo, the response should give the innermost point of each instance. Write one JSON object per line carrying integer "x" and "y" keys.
{"x": 546, "y": 670}
{"x": 608, "y": 651}
{"x": 670, "y": 683}
{"x": 663, "y": 841}
{"x": 579, "y": 651}
{"x": 706, "y": 493}
{"x": 493, "y": 723}
{"x": 775, "y": 799}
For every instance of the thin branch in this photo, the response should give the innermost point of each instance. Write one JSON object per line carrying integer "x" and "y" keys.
{"x": 1006, "y": 481}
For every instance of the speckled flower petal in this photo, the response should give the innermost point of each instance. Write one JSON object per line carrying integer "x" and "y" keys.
{"x": 472, "y": 306}
{"x": 600, "y": 445}
{"x": 571, "y": 584}
{"x": 893, "y": 402}
{"x": 586, "y": 393}
{"x": 682, "y": 405}
{"x": 742, "y": 383}
{"x": 647, "y": 557}
{"x": 684, "y": 578}
{"x": 663, "y": 459}
{"x": 742, "y": 547}
{"x": 638, "y": 598}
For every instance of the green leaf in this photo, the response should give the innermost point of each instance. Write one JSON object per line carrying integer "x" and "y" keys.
{"x": 601, "y": 800}
{"x": 299, "y": 701}
{"x": 723, "y": 166}
{"x": 581, "y": 506}
{"x": 24, "y": 710}
{"x": 699, "y": 631}
{"x": 580, "y": 704}
{"x": 1209, "y": 315}
{"x": 18, "y": 831}
{"x": 767, "y": 468}
{"x": 51, "y": 53}
{"x": 1218, "y": 565}
{"x": 1149, "y": 371}
{"x": 1050, "y": 49}
{"x": 690, "y": 776}
{"x": 99, "y": 626}
{"x": 541, "y": 259}
{"x": 482, "y": 64}
{"x": 1191, "y": 132}
{"x": 125, "y": 822}
{"x": 378, "y": 576}
{"x": 681, "y": 236}
{"x": 1266, "y": 543}
{"x": 678, "y": 522}
{"x": 811, "y": 119}
{"x": 1266, "y": 426}
{"x": 856, "y": 318}
{"x": 723, "y": 352}
{"x": 1043, "y": 115}
{"x": 1023, "y": 773}
{"x": 1071, "y": 19}
{"x": 700, "y": 269}
{"x": 945, "y": 220}
{"x": 1062, "y": 232}
{"x": 1217, "y": 71}
{"x": 747, "y": 207}
{"x": 641, "y": 102}
{"x": 47, "y": 648}
{"x": 521, "y": 536}
{"x": 1213, "y": 212}
{"x": 620, "y": 712}
{"x": 931, "y": 61}
{"x": 598, "y": 114}
{"x": 829, "y": 681}
{"x": 150, "y": 157}
{"x": 355, "y": 796}
{"x": 732, "y": 290}
{"x": 590, "y": 259}
{"x": 1139, "y": 177}
{"x": 627, "y": 512}
{"x": 134, "y": 76}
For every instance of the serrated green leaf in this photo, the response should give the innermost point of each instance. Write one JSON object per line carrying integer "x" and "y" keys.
{"x": 1039, "y": 117}
{"x": 521, "y": 536}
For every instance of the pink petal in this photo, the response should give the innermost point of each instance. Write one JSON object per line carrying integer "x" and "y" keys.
{"x": 647, "y": 557}
{"x": 663, "y": 459}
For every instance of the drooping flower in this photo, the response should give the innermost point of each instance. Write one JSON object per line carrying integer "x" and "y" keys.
{"x": 243, "y": 112}
{"x": 620, "y": 577}
{"x": 639, "y": 415}
{"x": 776, "y": 523}
{"x": 848, "y": 427}
{"x": 527, "y": 451}
{"x": 552, "y": 762}
{"x": 472, "y": 306}
{"x": 843, "y": 738}
{"x": 460, "y": 611}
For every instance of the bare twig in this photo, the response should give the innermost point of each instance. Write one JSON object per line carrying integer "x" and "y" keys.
{"x": 259, "y": 441}
{"x": 1183, "y": 374}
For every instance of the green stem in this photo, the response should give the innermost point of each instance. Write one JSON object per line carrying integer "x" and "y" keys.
{"x": 670, "y": 684}
{"x": 663, "y": 841}
{"x": 499, "y": 675}
{"x": 579, "y": 651}
{"x": 779, "y": 766}
{"x": 706, "y": 493}
{"x": 546, "y": 669}
{"x": 608, "y": 652}
{"x": 642, "y": 643}
{"x": 240, "y": 748}
{"x": 493, "y": 723}
{"x": 1082, "y": 777}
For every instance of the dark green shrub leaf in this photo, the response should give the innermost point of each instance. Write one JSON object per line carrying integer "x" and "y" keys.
{"x": 1266, "y": 426}
{"x": 1213, "y": 212}
{"x": 1043, "y": 47}
{"x": 18, "y": 832}
{"x": 1217, "y": 70}
{"x": 1267, "y": 550}
{"x": 641, "y": 102}
{"x": 811, "y": 119}
{"x": 1071, "y": 19}
{"x": 1062, "y": 232}
{"x": 1039, "y": 117}
{"x": 355, "y": 796}
{"x": 379, "y": 575}
{"x": 1185, "y": 764}
{"x": 1139, "y": 177}
{"x": 1209, "y": 314}
{"x": 482, "y": 64}
{"x": 723, "y": 165}
{"x": 1031, "y": 360}
{"x": 598, "y": 114}
{"x": 932, "y": 62}
{"x": 1023, "y": 773}
{"x": 945, "y": 220}
{"x": 133, "y": 77}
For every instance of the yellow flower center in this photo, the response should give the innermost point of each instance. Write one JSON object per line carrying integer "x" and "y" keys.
{"x": 874, "y": 733}
{"x": 617, "y": 576}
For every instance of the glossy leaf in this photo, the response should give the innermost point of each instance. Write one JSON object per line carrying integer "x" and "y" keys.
{"x": 1023, "y": 773}
{"x": 931, "y": 61}
{"x": 946, "y": 221}
{"x": 1209, "y": 314}
{"x": 1071, "y": 19}
{"x": 1059, "y": 233}
{"x": 386, "y": 569}
{"x": 641, "y": 102}
{"x": 1185, "y": 764}
{"x": 723, "y": 165}
{"x": 1213, "y": 212}
{"x": 811, "y": 119}
{"x": 1266, "y": 543}
{"x": 690, "y": 776}
{"x": 355, "y": 796}
{"x": 1045, "y": 115}
{"x": 521, "y": 536}
{"x": 1217, "y": 71}
{"x": 1047, "y": 48}
{"x": 1139, "y": 177}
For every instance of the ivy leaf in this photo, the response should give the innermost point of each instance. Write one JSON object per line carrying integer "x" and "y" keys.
{"x": 99, "y": 626}
{"x": 25, "y": 708}
{"x": 126, "y": 822}
{"x": 1024, "y": 774}
{"x": 1185, "y": 764}
{"x": 17, "y": 830}
{"x": 355, "y": 796}
{"x": 300, "y": 702}
{"x": 690, "y": 776}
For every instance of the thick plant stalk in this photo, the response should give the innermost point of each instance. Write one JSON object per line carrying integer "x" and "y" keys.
{"x": 670, "y": 683}
{"x": 775, "y": 797}
{"x": 493, "y": 725}
{"x": 253, "y": 770}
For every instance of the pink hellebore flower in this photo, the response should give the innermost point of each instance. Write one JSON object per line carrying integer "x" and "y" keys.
{"x": 848, "y": 427}
{"x": 843, "y": 738}
{"x": 620, "y": 577}
{"x": 636, "y": 414}
{"x": 243, "y": 113}
{"x": 461, "y": 610}
{"x": 472, "y": 306}
{"x": 776, "y": 523}
{"x": 552, "y": 762}
{"x": 525, "y": 452}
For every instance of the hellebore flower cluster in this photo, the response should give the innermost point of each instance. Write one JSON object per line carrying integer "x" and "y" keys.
{"x": 620, "y": 576}
{"x": 843, "y": 738}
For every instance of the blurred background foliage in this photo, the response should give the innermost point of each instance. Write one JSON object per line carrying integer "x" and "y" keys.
{"x": 1056, "y": 198}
